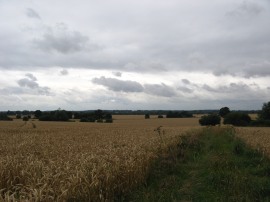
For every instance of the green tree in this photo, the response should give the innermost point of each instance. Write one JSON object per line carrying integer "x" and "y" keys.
{"x": 38, "y": 113}
{"x": 265, "y": 112}
{"x": 237, "y": 119}
{"x": 210, "y": 120}
{"x": 224, "y": 111}
{"x": 4, "y": 117}
{"x": 98, "y": 114}
{"x": 60, "y": 115}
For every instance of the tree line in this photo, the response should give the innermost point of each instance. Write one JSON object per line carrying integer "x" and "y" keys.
{"x": 237, "y": 118}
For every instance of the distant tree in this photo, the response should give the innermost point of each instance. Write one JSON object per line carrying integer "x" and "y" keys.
{"x": 10, "y": 113}
{"x": 108, "y": 116}
{"x": 177, "y": 114}
{"x": 210, "y": 120}
{"x": 98, "y": 114}
{"x": 4, "y": 117}
{"x": 38, "y": 113}
{"x": 264, "y": 114}
{"x": 25, "y": 118}
{"x": 224, "y": 111}
{"x": 46, "y": 116}
{"x": 25, "y": 112}
{"x": 69, "y": 114}
{"x": 147, "y": 116}
{"x": 237, "y": 119}
{"x": 60, "y": 115}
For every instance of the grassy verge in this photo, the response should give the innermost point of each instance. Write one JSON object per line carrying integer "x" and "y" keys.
{"x": 211, "y": 166}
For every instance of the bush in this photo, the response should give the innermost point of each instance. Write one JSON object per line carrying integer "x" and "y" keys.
{"x": 108, "y": 121}
{"x": 25, "y": 118}
{"x": 147, "y": 116}
{"x": 237, "y": 119}
{"x": 260, "y": 123}
{"x": 211, "y": 119}
{"x": 18, "y": 116}
{"x": 87, "y": 119}
{"x": 160, "y": 116}
{"x": 100, "y": 121}
{"x": 4, "y": 117}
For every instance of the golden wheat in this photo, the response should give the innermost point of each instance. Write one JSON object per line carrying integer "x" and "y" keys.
{"x": 256, "y": 137}
{"x": 49, "y": 161}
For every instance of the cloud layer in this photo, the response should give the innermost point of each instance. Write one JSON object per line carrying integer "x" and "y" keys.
{"x": 137, "y": 50}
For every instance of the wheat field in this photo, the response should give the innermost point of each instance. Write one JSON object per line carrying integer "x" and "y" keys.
{"x": 74, "y": 161}
{"x": 60, "y": 161}
{"x": 257, "y": 137}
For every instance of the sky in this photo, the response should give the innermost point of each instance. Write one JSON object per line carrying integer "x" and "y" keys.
{"x": 143, "y": 54}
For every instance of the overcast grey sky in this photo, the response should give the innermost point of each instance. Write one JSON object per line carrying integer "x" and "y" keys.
{"x": 144, "y": 54}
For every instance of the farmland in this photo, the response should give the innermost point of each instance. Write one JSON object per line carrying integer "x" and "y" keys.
{"x": 81, "y": 161}
{"x": 59, "y": 161}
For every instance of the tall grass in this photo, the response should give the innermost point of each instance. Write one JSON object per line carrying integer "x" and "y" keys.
{"x": 212, "y": 165}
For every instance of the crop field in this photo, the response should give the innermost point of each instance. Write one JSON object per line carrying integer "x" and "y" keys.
{"x": 60, "y": 161}
{"x": 257, "y": 137}
{"x": 74, "y": 161}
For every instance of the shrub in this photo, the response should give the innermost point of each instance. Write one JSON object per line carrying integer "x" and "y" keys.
{"x": 4, "y": 117}
{"x": 18, "y": 116}
{"x": 25, "y": 118}
{"x": 147, "y": 116}
{"x": 160, "y": 116}
{"x": 260, "y": 123}
{"x": 211, "y": 119}
{"x": 237, "y": 119}
{"x": 108, "y": 121}
{"x": 45, "y": 117}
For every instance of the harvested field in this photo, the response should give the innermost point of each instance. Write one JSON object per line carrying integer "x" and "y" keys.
{"x": 58, "y": 161}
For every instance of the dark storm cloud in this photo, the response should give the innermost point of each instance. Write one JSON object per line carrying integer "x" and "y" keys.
{"x": 118, "y": 85}
{"x": 31, "y": 13}
{"x": 61, "y": 39}
{"x": 159, "y": 90}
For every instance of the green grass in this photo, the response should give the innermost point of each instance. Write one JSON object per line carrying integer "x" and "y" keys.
{"x": 210, "y": 166}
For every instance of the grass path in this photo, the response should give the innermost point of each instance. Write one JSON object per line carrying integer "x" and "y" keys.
{"x": 213, "y": 165}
